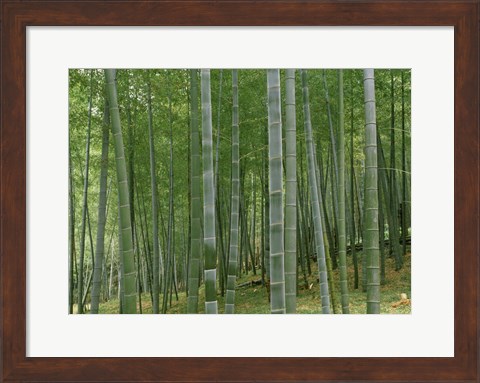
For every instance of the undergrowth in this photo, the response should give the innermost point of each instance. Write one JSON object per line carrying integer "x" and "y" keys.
{"x": 254, "y": 299}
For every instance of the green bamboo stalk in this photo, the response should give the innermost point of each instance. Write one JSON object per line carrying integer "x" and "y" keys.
{"x": 145, "y": 237}
{"x": 381, "y": 229}
{"x": 131, "y": 184}
{"x": 304, "y": 214}
{"x": 130, "y": 306}
{"x": 71, "y": 237}
{"x": 290, "y": 194}
{"x": 384, "y": 196}
{"x": 312, "y": 180}
{"x": 327, "y": 232}
{"x": 334, "y": 174}
{"x": 153, "y": 180}
{"x": 352, "y": 189}
{"x": 266, "y": 213}
{"x": 196, "y": 236}
{"x": 299, "y": 242}
{"x": 253, "y": 224}
{"x": 323, "y": 218}
{"x": 84, "y": 205}
{"x": 371, "y": 245}
{"x": 233, "y": 256}
{"x": 86, "y": 288}
{"x": 322, "y": 181}
{"x": 404, "y": 173}
{"x": 394, "y": 244}
{"x": 102, "y": 203}
{"x": 243, "y": 225}
{"x": 277, "y": 255}
{"x": 364, "y": 253}
{"x": 342, "y": 238}
{"x": 209, "y": 237}
{"x": 262, "y": 223}
{"x": 121, "y": 287}
{"x": 221, "y": 248}
{"x": 169, "y": 269}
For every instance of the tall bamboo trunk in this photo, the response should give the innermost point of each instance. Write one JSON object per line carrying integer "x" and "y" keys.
{"x": 290, "y": 194}
{"x": 277, "y": 255}
{"x": 222, "y": 257}
{"x": 334, "y": 173}
{"x": 253, "y": 226}
{"x": 84, "y": 205}
{"x": 209, "y": 234}
{"x": 131, "y": 185}
{"x": 195, "y": 230}
{"x": 266, "y": 214}
{"x": 89, "y": 272}
{"x": 323, "y": 216}
{"x": 404, "y": 173}
{"x": 71, "y": 242}
{"x": 125, "y": 227}
{"x": 352, "y": 190}
{"x": 384, "y": 190}
{"x": 233, "y": 256}
{"x": 262, "y": 223}
{"x": 395, "y": 245}
{"x": 102, "y": 203}
{"x": 381, "y": 230}
{"x": 342, "y": 237}
{"x": 312, "y": 180}
{"x": 169, "y": 269}
{"x": 371, "y": 245}
{"x": 153, "y": 181}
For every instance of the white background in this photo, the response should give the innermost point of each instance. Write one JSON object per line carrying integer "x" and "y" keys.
{"x": 428, "y": 331}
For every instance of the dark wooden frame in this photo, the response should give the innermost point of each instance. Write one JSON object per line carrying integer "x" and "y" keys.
{"x": 16, "y": 16}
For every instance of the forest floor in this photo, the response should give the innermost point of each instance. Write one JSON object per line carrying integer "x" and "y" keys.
{"x": 253, "y": 299}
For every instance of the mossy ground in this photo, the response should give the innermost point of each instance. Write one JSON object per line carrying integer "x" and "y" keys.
{"x": 254, "y": 299}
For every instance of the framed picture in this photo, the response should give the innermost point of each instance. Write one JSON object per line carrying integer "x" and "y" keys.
{"x": 57, "y": 58}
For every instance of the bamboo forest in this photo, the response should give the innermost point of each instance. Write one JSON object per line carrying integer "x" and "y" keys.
{"x": 244, "y": 191}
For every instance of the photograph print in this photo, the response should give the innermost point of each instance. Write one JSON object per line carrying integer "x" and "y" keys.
{"x": 239, "y": 191}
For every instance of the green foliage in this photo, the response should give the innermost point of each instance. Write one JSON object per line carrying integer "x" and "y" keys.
{"x": 151, "y": 202}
